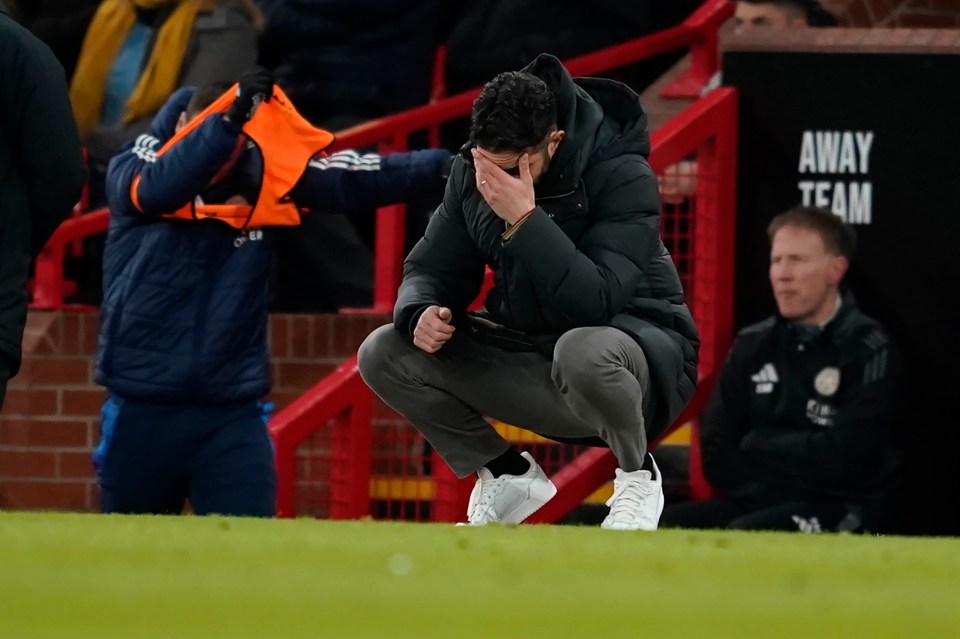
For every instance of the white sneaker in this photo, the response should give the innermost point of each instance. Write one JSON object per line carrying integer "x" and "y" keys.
{"x": 509, "y": 499}
{"x": 637, "y": 500}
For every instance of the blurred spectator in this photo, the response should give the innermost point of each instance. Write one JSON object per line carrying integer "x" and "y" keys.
{"x": 781, "y": 14}
{"x": 183, "y": 342}
{"x": 774, "y": 14}
{"x": 61, "y": 24}
{"x": 799, "y": 431}
{"x": 41, "y": 172}
{"x": 492, "y": 36}
{"x": 346, "y": 61}
{"x": 137, "y": 52}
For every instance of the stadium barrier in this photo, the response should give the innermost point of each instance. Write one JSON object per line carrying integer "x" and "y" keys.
{"x": 49, "y": 285}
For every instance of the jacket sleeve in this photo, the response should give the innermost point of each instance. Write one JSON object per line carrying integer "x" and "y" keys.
{"x": 589, "y": 283}
{"x": 169, "y": 181}
{"x": 445, "y": 267}
{"x": 724, "y": 424}
{"x": 860, "y": 432}
{"x": 45, "y": 142}
{"x": 348, "y": 181}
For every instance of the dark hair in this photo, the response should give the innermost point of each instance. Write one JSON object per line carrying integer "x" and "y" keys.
{"x": 514, "y": 111}
{"x": 816, "y": 15}
{"x": 838, "y": 236}
{"x": 206, "y": 95}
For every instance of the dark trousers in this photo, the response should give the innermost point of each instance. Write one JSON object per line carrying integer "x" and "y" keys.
{"x": 597, "y": 386}
{"x": 153, "y": 457}
{"x": 803, "y": 515}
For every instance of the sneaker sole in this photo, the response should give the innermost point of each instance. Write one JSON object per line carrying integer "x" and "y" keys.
{"x": 536, "y": 499}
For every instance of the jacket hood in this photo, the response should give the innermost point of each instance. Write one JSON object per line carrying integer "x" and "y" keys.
{"x": 601, "y": 118}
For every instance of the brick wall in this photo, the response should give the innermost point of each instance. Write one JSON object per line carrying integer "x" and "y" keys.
{"x": 50, "y": 419}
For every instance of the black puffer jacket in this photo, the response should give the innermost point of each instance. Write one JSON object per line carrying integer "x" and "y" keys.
{"x": 41, "y": 169}
{"x": 589, "y": 255}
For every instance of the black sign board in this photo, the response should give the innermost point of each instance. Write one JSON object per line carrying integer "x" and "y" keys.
{"x": 874, "y": 138}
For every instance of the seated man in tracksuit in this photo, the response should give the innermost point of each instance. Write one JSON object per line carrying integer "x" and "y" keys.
{"x": 800, "y": 430}
{"x": 183, "y": 340}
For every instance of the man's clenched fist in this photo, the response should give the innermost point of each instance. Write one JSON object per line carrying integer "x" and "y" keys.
{"x": 433, "y": 329}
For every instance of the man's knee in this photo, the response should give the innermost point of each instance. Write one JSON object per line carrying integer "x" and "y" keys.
{"x": 378, "y": 352}
{"x": 582, "y": 353}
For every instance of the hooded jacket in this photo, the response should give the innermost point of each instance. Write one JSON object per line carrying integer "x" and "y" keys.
{"x": 41, "y": 170}
{"x": 590, "y": 254}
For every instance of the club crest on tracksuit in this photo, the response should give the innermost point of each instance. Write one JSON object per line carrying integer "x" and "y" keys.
{"x": 827, "y": 381}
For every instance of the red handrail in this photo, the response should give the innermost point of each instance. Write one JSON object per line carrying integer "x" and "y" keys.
{"x": 704, "y": 62}
{"x": 342, "y": 397}
{"x": 49, "y": 285}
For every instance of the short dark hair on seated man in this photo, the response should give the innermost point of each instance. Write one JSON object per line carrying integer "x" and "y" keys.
{"x": 513, "y": 112}
{"x": 205, "y": 95}
{"x": 816, "y": 15}
{"x": 838, "y": 237}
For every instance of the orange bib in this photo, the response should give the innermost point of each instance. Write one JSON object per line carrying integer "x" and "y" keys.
{"x": 287, "y": 143}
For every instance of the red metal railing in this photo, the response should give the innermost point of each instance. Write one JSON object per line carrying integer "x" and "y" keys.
{"x": 49, "y": 285}
{"x": 341, "y": 403}
{"x": 699, "y": 230}
{"x": 704, "y": 60}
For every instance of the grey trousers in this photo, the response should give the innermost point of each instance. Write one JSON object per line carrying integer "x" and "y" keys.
{"x": 597, "y": 385}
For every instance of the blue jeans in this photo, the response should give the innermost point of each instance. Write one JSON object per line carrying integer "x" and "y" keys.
{"x": 153, "y": 457}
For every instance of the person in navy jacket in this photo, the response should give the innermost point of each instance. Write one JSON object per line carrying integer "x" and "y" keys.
{"x": 183, "y": 338}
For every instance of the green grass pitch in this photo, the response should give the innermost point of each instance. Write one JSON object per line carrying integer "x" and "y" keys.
{"x": 96, "y": 576}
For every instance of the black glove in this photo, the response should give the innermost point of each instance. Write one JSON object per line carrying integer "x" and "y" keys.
{"x": 256, "y": 86}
